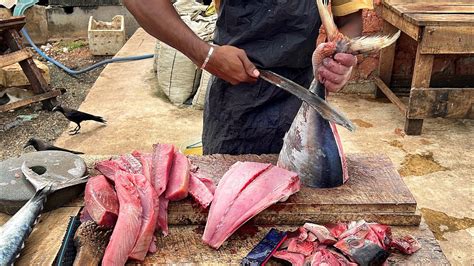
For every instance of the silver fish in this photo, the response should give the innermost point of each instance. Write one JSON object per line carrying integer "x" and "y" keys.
{"x": 312, "y": 147}
{"x": 16, "y": 230}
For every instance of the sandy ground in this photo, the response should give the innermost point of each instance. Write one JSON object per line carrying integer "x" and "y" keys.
{"x": 18, "y": 126}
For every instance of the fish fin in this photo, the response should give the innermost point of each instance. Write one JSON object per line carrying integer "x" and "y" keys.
{"x": 367, "y": 44}
{"x": 38, "y": 181}
{"x": 326, "y": 18}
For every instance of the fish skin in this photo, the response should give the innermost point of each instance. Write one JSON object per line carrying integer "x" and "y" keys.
{"x": 312, "y": 147}
{"x": 16, "y": 230}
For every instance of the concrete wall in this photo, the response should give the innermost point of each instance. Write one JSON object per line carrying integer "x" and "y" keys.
{"x": 448, "y": 70}
{"x": 62, "y": 23}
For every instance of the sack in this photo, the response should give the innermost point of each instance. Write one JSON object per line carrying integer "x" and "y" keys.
{"x": 178, "y": 77}
{"x": 155, "y": 56}
{"x": 200, "y": 98}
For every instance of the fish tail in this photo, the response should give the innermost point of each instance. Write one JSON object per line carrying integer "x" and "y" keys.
{"x": 328, "y": 22}
{"x": 368, "y": 44}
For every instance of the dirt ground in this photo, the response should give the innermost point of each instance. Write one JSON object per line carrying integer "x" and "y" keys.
{"x": 17, "y": 126}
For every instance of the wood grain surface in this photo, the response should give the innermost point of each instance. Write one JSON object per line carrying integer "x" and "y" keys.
{"x": 184, "y": 245}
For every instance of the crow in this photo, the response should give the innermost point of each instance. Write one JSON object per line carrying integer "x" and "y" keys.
{"x": 77, "y": 117}
{"x": 40, "y": 145}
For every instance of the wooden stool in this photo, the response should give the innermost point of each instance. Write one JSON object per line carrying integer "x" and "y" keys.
{"x": 439, "y": 27}
{"x": 9, "y": 35}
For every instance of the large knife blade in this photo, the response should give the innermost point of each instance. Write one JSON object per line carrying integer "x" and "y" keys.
{"x": 327, "y": 111}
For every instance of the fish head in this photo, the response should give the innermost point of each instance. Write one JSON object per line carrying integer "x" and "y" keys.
{"x": 39, "y": 177}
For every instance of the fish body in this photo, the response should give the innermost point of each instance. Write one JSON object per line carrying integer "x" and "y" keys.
{"x": 312, "y": 147}
{"x": 16, "y": 230}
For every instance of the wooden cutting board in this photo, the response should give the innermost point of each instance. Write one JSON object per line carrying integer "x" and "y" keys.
{"x": 184, "y": 246}
{"x": 375, "y": 192}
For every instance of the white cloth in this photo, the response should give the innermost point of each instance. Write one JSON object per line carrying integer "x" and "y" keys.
{"x": 8, "y": 3}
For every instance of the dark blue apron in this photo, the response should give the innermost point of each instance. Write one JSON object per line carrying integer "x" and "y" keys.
{"x": 278, "y": 35}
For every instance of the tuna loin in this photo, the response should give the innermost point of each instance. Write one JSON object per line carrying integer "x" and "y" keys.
{"x": 245, "y": 190}
{"x": 162, "y": 222}
{"x": 150, "y": 205}
{"x": 162, "y": 159}
{"x": 110, "y": 167}
{"x": 101, "y": 202}
{"x": 178, "y": 182}
{"x": 128, "y": 224}
{"x": 199, "y": 191}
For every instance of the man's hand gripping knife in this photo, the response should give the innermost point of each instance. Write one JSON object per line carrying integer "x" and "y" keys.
{"x": 231, "y": 64}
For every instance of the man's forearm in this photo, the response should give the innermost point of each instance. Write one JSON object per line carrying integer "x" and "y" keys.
{"x": 350, "y": 25}
{"x": 160, "y": 19}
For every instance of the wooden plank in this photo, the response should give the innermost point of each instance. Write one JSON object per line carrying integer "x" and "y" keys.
{"x": 45, "y": 240}
{"x": 440, "y": 19}
{"x": 390, "y": 95}
{"x": 30, "y": 100}
{"x": 448, "y": 40}
{"x": 16, "y": 23}
{"x": 397, "y": 20}
{"x": 32, "y": 72}
{"x": 435, "y": 8}
{"x": 421, "y": 78}
{"x": 15, "y": 57}
{"x": 184, "y": 246}
{"x": 368, "y": 175}
{"x": 422, "y": 69}
{"x": 394, "y": 4}
{"x": 387, "y": 56}
{"x": 441, "y": 102}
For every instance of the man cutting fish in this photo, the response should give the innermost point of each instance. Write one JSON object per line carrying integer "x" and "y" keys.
{"x": 244, "y": 114}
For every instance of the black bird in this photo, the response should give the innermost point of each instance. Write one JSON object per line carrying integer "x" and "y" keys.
{"x": 77, "y": 117}
{"x": 4, "y": 99}
{"x": 40, "y": 145}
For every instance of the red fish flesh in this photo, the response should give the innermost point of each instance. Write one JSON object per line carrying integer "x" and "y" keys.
{"x": 101, "y": 202}
{"x": 406, "y": 245}
{"x": 128, "y": 224}
{"x": 145, "y": 161}
{"x": 199, "y": 191}
{"x": 294, "y": 258}
{"x": 162, "y": 161}
{"x": 178, "y": 182}
{"x": 245, "y": 190}
{"x": 302, "y": 247}
{"x": 110, "y": 167}
{"x": 321, "y": 232}
{"x": 162, "y": 222}
{"x": 150, "y": 207}
{"x": 133, "y": 164}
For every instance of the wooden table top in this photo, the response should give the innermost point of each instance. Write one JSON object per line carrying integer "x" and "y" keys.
{"x": 433, "y": 12}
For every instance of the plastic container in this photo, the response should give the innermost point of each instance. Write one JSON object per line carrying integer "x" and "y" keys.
{"x": 106, "y": 38}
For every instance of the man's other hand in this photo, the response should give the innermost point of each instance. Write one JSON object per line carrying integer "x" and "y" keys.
{"x": 232, "y": 65}
{"x": 335, "y": 72}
